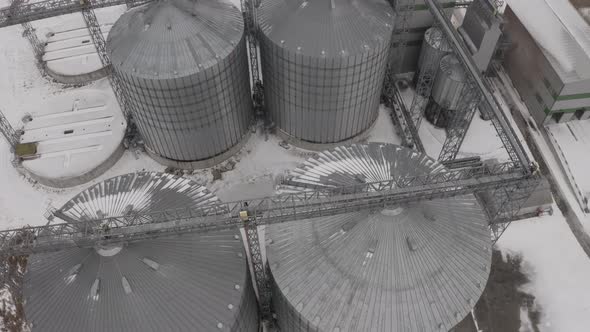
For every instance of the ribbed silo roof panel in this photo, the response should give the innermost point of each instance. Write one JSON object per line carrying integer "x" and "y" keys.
{"x": 193, "y": 282}
{"x": 332, "y": 26}
{"x": 420, "y": 266}
{"x": 174, "y": 38}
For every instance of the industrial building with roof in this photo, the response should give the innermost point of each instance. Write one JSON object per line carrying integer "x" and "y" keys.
{"x": 549, "y": 60}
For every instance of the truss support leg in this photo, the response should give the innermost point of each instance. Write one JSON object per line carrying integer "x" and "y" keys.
{"x": 404, "y": 10}
{"x": 116, "y": 84}
{"x": 7, "y": 131}
{"x": 36, "y": 45}
{"x": 249, "y": 13}
{"x": 460, "y": 121}
{"x": 503, "y": 204}
{"x": 401, "y": 117}
{"x": 261, "y": 276}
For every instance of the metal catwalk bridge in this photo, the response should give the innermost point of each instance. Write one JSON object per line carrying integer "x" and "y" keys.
{"x": 279, "y": 208}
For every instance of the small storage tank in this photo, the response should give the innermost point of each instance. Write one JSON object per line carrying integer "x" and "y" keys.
{"x": 434, "y": 48}
{"x": 446, "y": 91}
{"x": 191, "y": 282}
{"x": 184, "y": 67}
{"x": 323, "y": 64}
{"x": 417, "y": 266}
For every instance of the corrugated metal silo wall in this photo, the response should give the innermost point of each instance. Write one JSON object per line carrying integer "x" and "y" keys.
{"x": 288, "y": 318}
{"x": 322, "y": 100}
{"x": 194, "y": 117}
{"x": 247, "y": 319}
{"x": 447, "y": 92}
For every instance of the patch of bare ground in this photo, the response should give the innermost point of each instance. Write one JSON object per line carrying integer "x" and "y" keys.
{"x": 12, "y": 270}
{"x": 498, "y": 310}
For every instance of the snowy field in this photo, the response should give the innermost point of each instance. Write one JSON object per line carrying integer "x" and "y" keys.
{"x": 558, "y": 270}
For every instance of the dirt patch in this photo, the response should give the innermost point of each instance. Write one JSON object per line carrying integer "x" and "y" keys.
{"x": 12, "y": 311}
{"x": 580, "y": 3}
{"x": 498, "y": 310}
{"x": 466, "y": 325}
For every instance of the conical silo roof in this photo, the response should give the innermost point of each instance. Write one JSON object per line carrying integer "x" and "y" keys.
{"x": 192, "y": 282}
{"x": 334, "y": 27}
{"x": 174, "y": 38}
{"x": 419, "y": 266}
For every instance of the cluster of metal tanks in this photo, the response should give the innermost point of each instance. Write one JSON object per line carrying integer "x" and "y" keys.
{"x": 184, "y": 69}
{"x": 434, "y": 48}
{"x": 447, "y": 91}
{"x": 183, "y": 65}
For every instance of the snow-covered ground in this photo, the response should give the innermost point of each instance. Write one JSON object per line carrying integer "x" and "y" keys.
{"x": 481, "y": 139}
{"x": 558, "y": 270}
{"x": 572, "y": 141}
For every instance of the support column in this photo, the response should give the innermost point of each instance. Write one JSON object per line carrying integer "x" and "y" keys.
{"x": 460, "y": 122}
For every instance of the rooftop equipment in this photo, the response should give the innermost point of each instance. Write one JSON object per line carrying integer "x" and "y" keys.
{"x": 323, "y": 64}
{"x": 184, "y": 67}
{"x": 446, "y": 91}
{"x": 182, "y": 283}
{"x": 413, "y": 267}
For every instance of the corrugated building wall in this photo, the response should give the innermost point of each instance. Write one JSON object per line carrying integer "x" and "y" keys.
{"x": 550, "y": 94}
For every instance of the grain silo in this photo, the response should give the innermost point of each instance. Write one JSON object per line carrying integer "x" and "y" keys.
{"x": 434, "y": 48}
{"x": 191, "y": 282}
{"x": 417, "y": 266}
{"x": 446, "y": 92}
{"x": 183, "y": 64}
{"x": 323, "y": 64}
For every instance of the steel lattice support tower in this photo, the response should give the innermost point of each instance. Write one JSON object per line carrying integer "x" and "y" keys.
{"x": 457, "y": 128}
{"x": 503, "y": 204}
{"x": 404, "y": 10}
{"x": 261, "y": 276}
{"x": 101, "y": 48}
{"x": 7, "y": 131}
{"x": 29, "y": 33}
{"x": 251, "y": 29}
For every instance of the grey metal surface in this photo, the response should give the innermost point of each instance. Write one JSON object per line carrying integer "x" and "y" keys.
{"x": 411, "y": 267}
{"x": 184, "y": 66}
{"x": 182, "y": 283}
{"x": 449, "y": 83}
{"x": 434, "y": 47}
{"x": 323, "y": 64}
